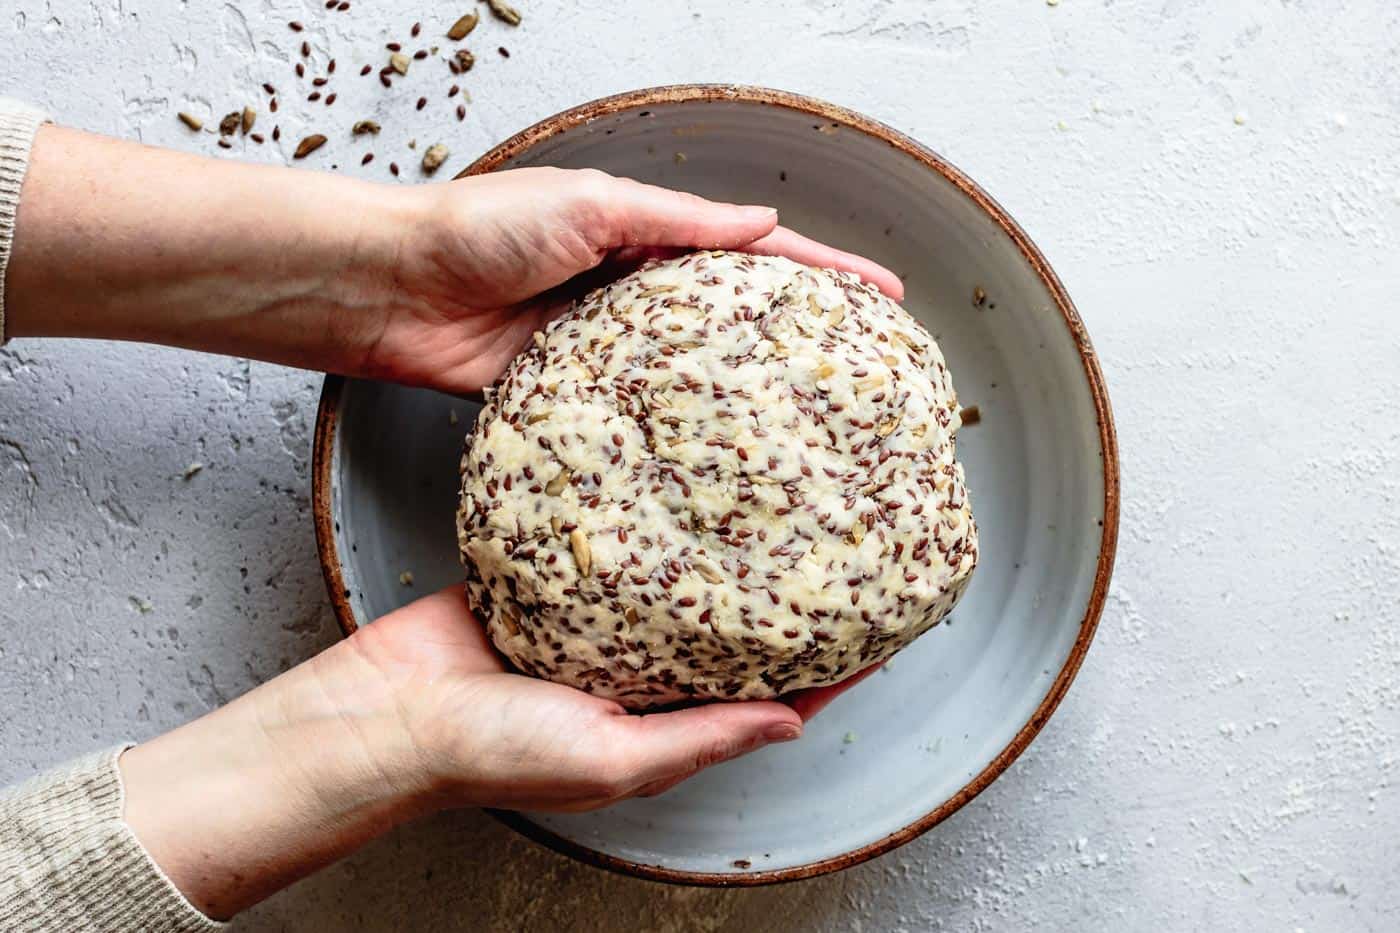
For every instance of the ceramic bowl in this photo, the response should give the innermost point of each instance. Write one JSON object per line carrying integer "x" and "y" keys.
{"x": 912, "y": 744}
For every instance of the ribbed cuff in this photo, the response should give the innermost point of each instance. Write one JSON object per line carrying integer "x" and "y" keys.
{"x": 68, "y": 861}
{"x": 18, "y": 124}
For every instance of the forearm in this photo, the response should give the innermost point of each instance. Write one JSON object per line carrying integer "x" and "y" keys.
{"x": 122, "y": 241}
{"x": 260, "y": 793}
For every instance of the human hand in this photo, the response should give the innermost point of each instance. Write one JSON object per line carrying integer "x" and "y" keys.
{"x": 492, "y": 258}
{"x": 412, "y": 714}
{"x": 436, "y": 285}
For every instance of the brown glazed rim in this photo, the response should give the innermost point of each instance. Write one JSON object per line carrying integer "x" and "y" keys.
{"x": 608, "y": 106}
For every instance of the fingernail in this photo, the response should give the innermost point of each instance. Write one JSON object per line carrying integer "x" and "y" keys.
{"x": 782, "y": 732}
{"x": 757, "y": 211}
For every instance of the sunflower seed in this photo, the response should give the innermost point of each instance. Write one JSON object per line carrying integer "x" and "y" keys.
{"x": 463, "y": 27}
{"x": 556, "y": 485}
{"x": 583, "y": 554}
{"x": 504, "y": 11}
{"x": 399, "y": 62}
{"x": 365, "y": 126}
{"x": 190, "y": 120}
{"x": 249, "y": 117}
{"x": 309, "y": 145}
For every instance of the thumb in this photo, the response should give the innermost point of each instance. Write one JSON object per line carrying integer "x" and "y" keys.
{"x": 663, "y": 746}
{"x": 645, "y": 215}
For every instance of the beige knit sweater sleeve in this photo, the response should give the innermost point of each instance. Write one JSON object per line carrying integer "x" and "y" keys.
{"x": 68, "y": 861}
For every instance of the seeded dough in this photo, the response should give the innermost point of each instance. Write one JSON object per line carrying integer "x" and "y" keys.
{"x": 723, "y": 476}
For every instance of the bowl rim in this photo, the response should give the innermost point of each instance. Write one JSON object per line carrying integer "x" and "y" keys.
{"x": 333, "y": 389}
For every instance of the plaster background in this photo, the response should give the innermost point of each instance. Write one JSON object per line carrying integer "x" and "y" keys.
{"x": 1216, "y": 184}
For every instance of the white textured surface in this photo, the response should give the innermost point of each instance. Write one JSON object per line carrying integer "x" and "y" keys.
{"x": 1228, "y": 755}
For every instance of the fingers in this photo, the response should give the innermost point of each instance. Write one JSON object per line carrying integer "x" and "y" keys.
{"x": 795, "y": 246}
{"x": 644, "y": 215}
{"x": 808, "y": 703}
{"x": 659, "y": 750}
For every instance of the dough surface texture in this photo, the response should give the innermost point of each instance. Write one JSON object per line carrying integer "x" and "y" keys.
{"x": 721, "y": 477}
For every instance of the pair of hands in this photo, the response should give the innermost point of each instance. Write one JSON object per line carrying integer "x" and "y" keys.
{"x": 438, "y": 286}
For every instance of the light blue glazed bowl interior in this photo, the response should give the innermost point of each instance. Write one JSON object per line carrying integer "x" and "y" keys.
{"x": 904, "y": 742}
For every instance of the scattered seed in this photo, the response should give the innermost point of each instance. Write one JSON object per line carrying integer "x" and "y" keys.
{"x": 269, "y": 88}
{"x": 394, "y": 169}
{"x": 970, "y": 415}
{"x": 365, "y": 126}
{"x": 461, "y": 113}
{"x": 979, "y": 296}
{"x": 433, "y": 158}
{"x": 369, "y": 157}
{"x": 393, "y": 47}
{"x": 190, "y": 120}
{"x": 413, "y": 144}
{"x": 256, "y": 137}
{"x": 366, "y": 70}
{"x": 420, "y": 54}
{"x": 505, "y": 53}
{"x": 465, "y": 59}
{"x": 343, "y": 6}
{"x": 314, "y": 96}
{"x": 295, "y": 26}
{"x": 276, "y": 133}
{"x": 247, "y": 119}
{"x": 230, "y": 123}
{"x": 301, "y": 70}
{"x": 556, "y": 485}
{"x": 193, "y": 470}
{"x": 504, "y": 11}
{"x": 319, "y": 82}
{"x": 463, "y": 27}
{"x": 272, "y": 105}
{"x": 583, "y": 554}
{"x": 309, "y": 145}
{"x": 399, "y": 62}
{"x": 452, "y": 91}
{"x": 224, "y": 143}
{"x": 305, "y": 49}
{"x": 330, "y": 99}
{"x": 422, "y": 102}
{"x": 417, "y": 28}
{"x": 405, "y": 578}
{"x": 384, "y": 80}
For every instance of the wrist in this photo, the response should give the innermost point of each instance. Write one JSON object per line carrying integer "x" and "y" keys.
{"x": 259, "y": 793}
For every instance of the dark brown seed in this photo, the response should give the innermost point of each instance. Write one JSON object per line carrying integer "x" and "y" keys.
{"x": 366, "y": 70}
{"x": 294, "y": 26}
{"x": 305, "y": 50}
{"x": 505, "y": 52}
{"x": 452, "y": 91}
{"x": 422, "y": 102}
{"x": 330, "y": 4}
{"x": 393, "y": 47}
{"x": 190, "y": 120}
{"x": 276, "y": 133}
{"x": 384, "y": 80}
{"x": 465, "y": 59}
{"x": 394, "y": 169}
{"x": 272, "y": 105}
{"x": 453, "y": 66}
{"x": 330, "y": 67}
{"x": 269, "y": 88}
{"x": 420, "y": 54}
{"x": 461, "y": 112}
{"x": 369, "y": 157}
{"x": 362, "y": 127}
{"x": 230, "y": 123}
{"x": 417, "y": 28}
{"x": 330, "y": 99}
{"x": 970, "y": 415}
{"x": 344, "y": 5}
{"x": 257, "y": 138}
{"x": 504, "y": 11}
{"x": 319, "y": 82}
{"x": 314, "y": 96}
{"x": 463, "y": 27}
{"x": 224, "y": 143}
{"x": 309, "y": 145}
{"x": 301, "y": 70}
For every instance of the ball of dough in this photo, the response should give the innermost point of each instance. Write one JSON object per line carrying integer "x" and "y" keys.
{"x": 724, "y": 476}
